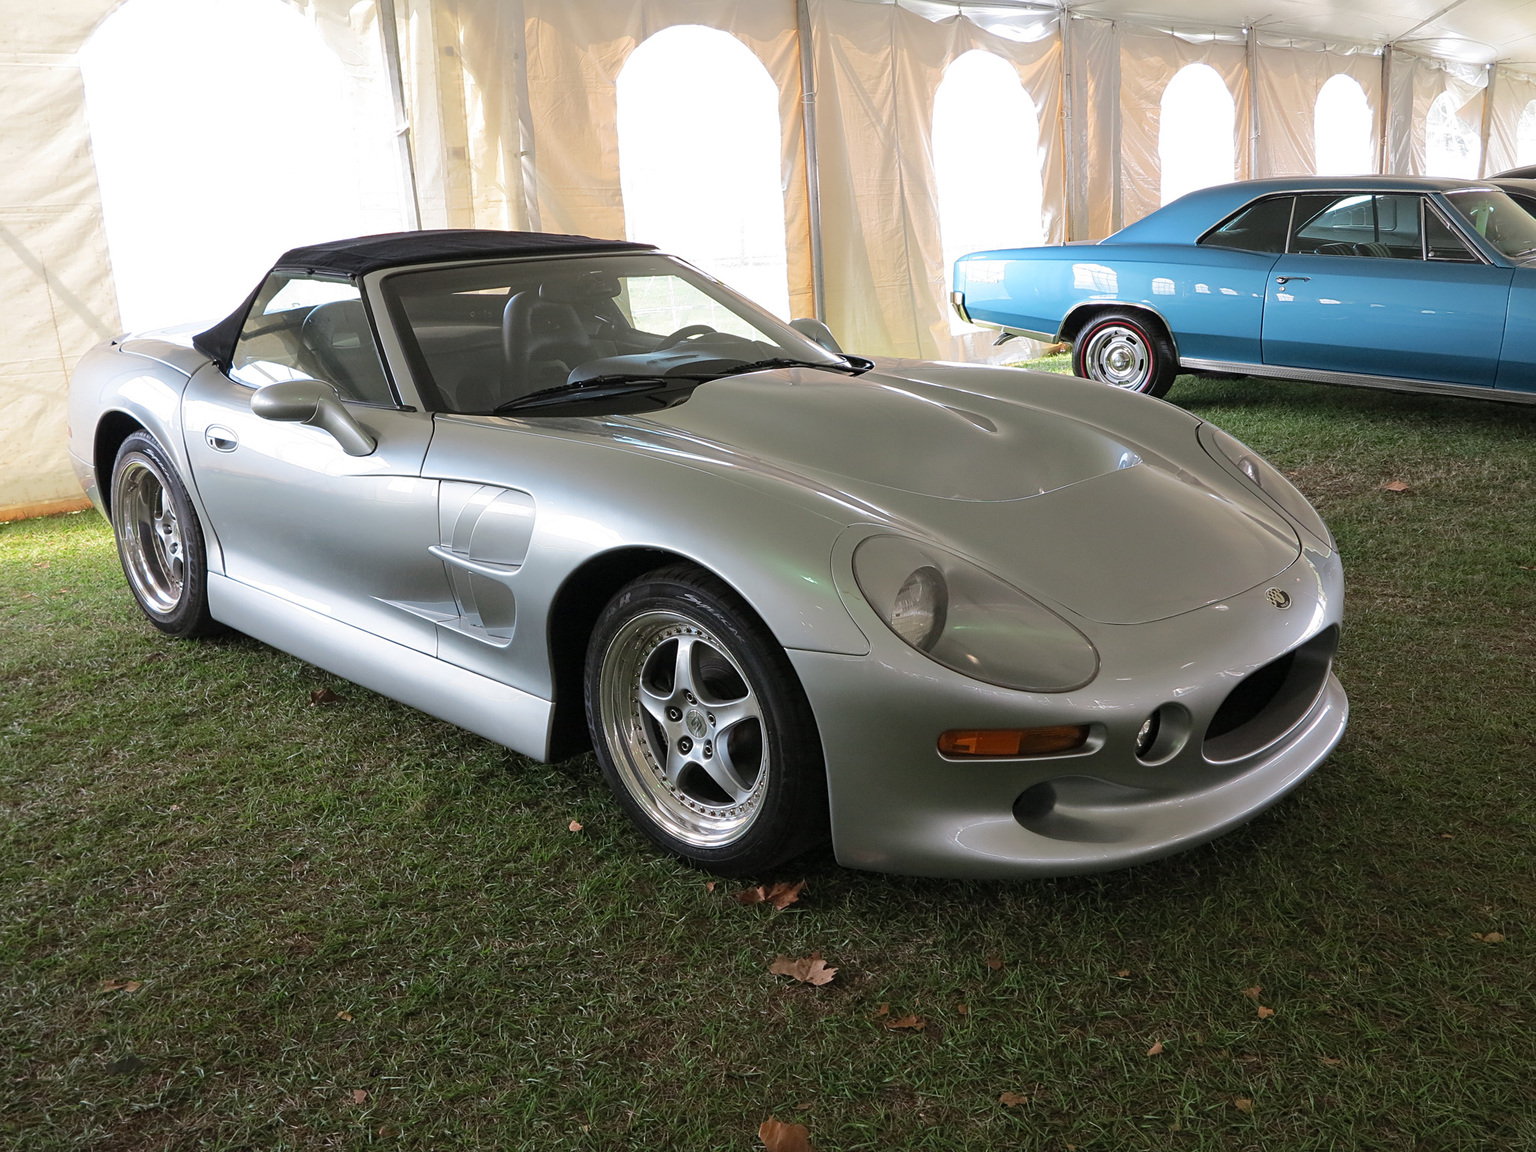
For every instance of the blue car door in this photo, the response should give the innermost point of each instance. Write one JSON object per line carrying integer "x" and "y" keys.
{"x": 1381, "y": 285}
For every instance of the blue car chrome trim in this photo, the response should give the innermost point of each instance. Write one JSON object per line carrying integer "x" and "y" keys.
{"x": 1385, "y": 383}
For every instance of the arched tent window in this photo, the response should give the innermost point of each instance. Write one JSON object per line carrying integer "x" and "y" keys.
{"x": 989, "y": 183}
{"x": 224, "y": 134}
{"x": 1525, "y": 136}
{"x": 699, "y": 148}
{"x": 1342, "y": 126}
{"x": 1196, "y": 136}
{"x": 1451, "y": 147}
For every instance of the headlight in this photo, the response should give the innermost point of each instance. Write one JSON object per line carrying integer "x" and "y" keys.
{"x": 1266, "y": 478}
{"x": 969, "y": 620}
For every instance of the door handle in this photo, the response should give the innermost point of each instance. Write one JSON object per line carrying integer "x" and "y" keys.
{"x": 1288, "y": 279}
{"x": 221, "y": 439}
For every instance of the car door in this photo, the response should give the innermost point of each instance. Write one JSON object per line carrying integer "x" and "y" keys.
{"x": 1382, "y": 285}
{"x": 296, "y": 515}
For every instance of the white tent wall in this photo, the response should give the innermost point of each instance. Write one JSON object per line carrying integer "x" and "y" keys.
{"x": 1416, "y": 82}
{"x": 1149, "y": 59}
{"x": 878, "y": 66}
{"x": 1512, "y": 93}
{"x": 55, "y": 283}
{"x": 1287, "y": 81}
{"x": 511, "y": 111}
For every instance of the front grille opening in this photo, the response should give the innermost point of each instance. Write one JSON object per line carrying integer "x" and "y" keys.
{"x": 1268, "y": 703}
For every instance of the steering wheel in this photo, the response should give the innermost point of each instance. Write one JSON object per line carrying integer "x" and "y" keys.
{"x": 682, "y": 334}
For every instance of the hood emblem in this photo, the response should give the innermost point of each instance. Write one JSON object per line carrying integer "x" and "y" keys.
{"x": 1278, "y": 597}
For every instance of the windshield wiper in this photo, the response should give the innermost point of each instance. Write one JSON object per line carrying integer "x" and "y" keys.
{"x": 595, "y": 387}
{"x": 786, "y": 362}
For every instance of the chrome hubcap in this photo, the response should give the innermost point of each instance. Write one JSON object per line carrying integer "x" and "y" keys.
{"x": 154, "y": 554}
{"x": 1118, "y": 355}
{"x": 685, "y": 728}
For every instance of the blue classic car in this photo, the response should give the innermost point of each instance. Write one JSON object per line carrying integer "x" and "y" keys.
{"x": 1391, "y": 282}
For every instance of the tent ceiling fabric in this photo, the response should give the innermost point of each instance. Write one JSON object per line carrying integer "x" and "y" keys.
{"x": 511, "y": 106}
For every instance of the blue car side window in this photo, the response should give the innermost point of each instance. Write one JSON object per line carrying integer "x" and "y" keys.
{"x": 1260, "y": 227}
{"x": 1357, "y": 224}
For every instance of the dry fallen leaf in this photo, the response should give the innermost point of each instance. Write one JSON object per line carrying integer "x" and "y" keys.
{"x": 781, "y": 896}
{"x": 1489, "y": 937}
{"x": 1395, "y": 486}
{"x": 806, "y": 1107}
{"x": 574, "y": 826}
{"x": 911, "y": 1023}
{"x": 963, "y": 1009}
{"x": 1243, "y": 1104}
{"x": 343, "y": 1015}
{"x": 1331, "y": 1061}
{"x": 752, "y": 895}
{"x": 1012, "y": 1099}
{"x": 121, "y": 985}
{"x": 709, "y": 885}
{"x": 883, "y": 1010}
{"x": 995, "y": 963}
{"x": 1446, "y": 836}
{"x": 777, "y": 1136}
{"x": 810, "y": 969}
{"x": 358, "y": 1095}
{"x": 1123, "y": 972}
{"x": 1156, "y": 1049}
{"x": 1253, "y": 993}
{"x": 175, "y": 807}
{"x": 323, "y": 696}
{"x": 1265, "y": 1013}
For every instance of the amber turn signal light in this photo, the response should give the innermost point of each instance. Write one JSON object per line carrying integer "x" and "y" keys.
{"x": 1003, "y": 742}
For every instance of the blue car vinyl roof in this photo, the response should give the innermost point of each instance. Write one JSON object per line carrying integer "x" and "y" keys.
{"x": 360, "y": 255}
{"x": 1189, "y": 217}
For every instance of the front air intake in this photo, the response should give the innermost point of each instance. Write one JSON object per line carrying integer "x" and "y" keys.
{"x": 1268, "y": 703}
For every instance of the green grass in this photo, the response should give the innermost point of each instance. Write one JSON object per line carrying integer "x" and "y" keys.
{"x": 181, "y": 815}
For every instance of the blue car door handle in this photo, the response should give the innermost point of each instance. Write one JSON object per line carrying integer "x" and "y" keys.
{"x": 1288, "y": 279}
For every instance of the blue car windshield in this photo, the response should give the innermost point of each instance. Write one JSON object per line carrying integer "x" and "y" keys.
{"x": 1498, "y": 220}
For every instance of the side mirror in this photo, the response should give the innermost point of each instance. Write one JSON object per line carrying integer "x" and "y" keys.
{"x": 818, "y": 332}
{"x": 316, "y": 404}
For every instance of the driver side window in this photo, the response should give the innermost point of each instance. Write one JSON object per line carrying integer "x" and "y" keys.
{"x": 303, "y": 328}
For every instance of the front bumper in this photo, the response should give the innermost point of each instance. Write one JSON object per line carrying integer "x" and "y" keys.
{"x": 899, "y": 806}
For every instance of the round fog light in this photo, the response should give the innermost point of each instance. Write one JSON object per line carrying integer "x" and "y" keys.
{"x": 1147, "y": 735}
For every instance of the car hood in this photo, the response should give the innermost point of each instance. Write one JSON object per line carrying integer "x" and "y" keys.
{"x": 1069, "y": 510}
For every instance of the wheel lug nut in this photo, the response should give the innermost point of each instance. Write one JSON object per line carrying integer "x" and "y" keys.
{"x": 685, "y": 745}
{"x": 711, "y": 716}
{"x": 674, "y": 714}
{"x": 709, "y": 749}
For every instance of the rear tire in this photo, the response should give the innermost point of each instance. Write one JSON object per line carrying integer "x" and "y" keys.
{"x": 1126, "y": 350}
{"x": 701, "y": 727}
{"x": 159, "y": 540}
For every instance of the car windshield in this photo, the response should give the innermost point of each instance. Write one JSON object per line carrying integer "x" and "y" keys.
{"x": 1498, "y": 220}
{"x": 488, "y": 337}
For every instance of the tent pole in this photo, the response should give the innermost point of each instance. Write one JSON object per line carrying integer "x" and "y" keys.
{"x": 1493, "y": 72}
{"x": 1074, "y": 180}
{"x": 812, "y": 168}
{"x": 1251, "y": 59}
{"x": 390, "y": 31}
{"x": 1385, "y": 166}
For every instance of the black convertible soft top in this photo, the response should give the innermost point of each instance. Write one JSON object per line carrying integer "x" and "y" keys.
{"x": 364, "y": 254}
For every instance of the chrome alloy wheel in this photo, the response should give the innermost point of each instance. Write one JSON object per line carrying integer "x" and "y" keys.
{"x": 149, "y": 533}
{"x": 1117, "y": 354}
{"x": 685, "y": 728}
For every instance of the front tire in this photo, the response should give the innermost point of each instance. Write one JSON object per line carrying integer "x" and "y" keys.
{"x": 1125, "y": 350}
{"x": 701, "y": 727}
{"x": 159, "y": 540}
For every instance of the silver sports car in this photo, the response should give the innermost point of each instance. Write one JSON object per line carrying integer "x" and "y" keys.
{"x": 572, "y": 493}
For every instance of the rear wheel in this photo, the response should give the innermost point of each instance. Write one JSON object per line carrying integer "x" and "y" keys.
{"x": 159, "y": 540}
{"x": 701, "y": 726}
{"x": 1125, "y": 350}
